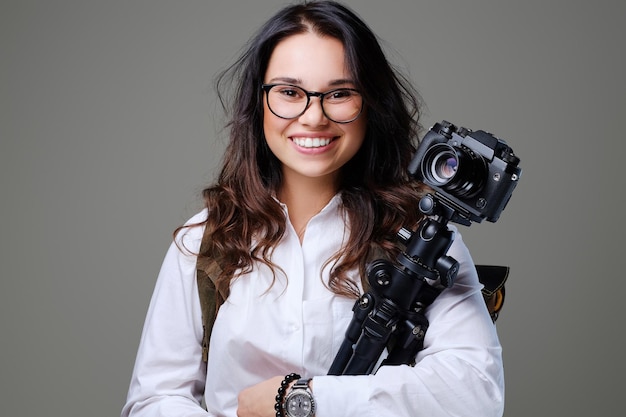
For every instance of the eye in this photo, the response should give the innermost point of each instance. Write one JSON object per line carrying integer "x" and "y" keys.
{"x": 341, "y": 94}
{"x": 289, "y": 92}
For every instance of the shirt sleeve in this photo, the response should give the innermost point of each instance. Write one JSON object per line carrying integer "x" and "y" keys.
{"x": 169, "y": 376}
{"x": 458, "y": 373}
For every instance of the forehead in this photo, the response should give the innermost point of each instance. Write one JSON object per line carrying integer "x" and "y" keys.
{"x": 308, "y": 58}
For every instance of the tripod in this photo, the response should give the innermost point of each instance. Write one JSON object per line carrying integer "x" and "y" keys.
{"x": 393, "y": 309}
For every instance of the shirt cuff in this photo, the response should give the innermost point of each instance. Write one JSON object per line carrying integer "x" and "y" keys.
{"x": 340, "y": 396}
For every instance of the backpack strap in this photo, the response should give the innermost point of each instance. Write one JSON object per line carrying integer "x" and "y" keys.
{"x": 493, "y": 278}
{"x": 207, "y": 271}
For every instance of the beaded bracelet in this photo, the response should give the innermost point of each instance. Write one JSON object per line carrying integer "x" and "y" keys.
{"x": 280, "y": 397}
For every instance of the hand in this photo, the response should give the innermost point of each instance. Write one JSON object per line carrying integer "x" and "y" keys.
{"x": 258, "y": 400}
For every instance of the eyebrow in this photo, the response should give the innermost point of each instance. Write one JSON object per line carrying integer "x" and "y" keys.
{"x": 297, "y": 81}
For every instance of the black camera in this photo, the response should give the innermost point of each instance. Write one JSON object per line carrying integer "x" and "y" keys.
{"x": 472, "y": 173}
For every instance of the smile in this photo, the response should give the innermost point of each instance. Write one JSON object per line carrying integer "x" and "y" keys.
{"x": 312, "y": 142}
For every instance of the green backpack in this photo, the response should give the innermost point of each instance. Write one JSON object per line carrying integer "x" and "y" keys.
{"x": 491, "y": 276}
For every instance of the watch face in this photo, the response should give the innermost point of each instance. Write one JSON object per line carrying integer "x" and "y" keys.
{"x": 299, "y": 404}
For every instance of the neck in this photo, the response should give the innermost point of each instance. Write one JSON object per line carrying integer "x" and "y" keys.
{"x": 305, "y": 198}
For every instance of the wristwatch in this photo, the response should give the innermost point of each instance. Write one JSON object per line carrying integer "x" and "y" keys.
{"x": 299, "y": 401}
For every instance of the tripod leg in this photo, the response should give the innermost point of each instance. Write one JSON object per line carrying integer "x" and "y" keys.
{"x": 377, "y": 330}
{"x": 361, "y": 309}
{"x": 409, "y": 340}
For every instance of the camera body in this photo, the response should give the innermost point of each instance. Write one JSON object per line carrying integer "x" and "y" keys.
{"x": 472, "y": 173}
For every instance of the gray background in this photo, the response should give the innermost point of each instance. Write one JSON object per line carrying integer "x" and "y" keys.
{"x": 109, "y": 130}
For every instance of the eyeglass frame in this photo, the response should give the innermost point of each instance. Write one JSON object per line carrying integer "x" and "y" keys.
{"x": 267, "y": 87}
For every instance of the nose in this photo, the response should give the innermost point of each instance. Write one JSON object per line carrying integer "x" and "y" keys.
{"x": 314, "y": 114}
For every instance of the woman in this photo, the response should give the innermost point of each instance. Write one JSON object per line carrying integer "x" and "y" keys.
{"x": 313, "y": 183}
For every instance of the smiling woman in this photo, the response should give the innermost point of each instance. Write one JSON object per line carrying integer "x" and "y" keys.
{"x": 313, "y": 184}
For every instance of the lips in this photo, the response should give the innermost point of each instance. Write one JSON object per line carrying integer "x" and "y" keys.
{"x": 311, "y": 142}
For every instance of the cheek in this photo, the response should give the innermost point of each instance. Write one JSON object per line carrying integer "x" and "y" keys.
{"x": 272, "y": 125}
{"x": 358, "y": 133}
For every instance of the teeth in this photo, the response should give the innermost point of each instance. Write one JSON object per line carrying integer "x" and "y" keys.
{"x": 311, "y": 142}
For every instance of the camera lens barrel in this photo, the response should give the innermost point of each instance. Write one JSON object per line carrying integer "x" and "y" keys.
{"x": 455, "y": 169}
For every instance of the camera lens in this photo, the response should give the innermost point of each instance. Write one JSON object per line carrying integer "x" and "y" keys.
{"x": 458, "y": 171}
{"x": 444, "y": 167}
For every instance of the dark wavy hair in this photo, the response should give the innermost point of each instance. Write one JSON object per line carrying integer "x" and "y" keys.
{"x": 378, "y": 197}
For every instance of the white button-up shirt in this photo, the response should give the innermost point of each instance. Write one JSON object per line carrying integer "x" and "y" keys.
{"x": 275, "y": 324}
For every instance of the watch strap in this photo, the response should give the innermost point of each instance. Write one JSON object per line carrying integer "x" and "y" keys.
{"x": 302, "y": 383}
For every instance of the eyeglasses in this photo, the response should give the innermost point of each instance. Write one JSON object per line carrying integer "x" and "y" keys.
{"x": 342, "y": 105}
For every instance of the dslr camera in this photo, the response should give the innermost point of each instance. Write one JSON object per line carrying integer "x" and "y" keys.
{"x": 471, "y": 173}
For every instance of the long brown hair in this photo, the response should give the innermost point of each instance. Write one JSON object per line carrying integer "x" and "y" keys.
{"x": 377, "y": 196}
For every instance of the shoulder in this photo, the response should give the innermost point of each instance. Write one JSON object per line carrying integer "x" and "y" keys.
{"x": 460, "y": 252}
{"x": 189, "y": 236}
